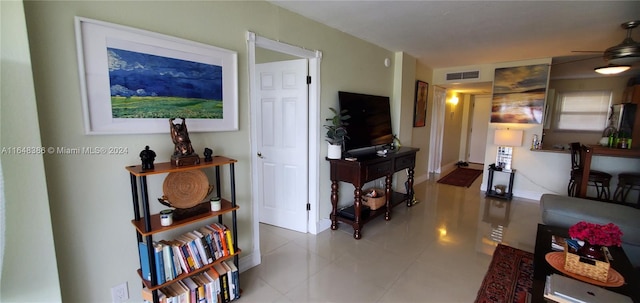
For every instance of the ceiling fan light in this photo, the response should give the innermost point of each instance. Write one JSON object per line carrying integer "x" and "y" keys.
{"x": 611, "y": 69}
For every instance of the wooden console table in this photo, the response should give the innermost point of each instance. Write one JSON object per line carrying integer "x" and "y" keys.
{"x": 365, "y": 169}
{"x": 597, "y": 150}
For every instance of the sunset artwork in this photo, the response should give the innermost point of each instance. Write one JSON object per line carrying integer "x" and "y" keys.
{"x": 519, "y": 94}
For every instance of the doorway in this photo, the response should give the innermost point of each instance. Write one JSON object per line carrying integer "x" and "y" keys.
{"x": 282, "y": 144}
{"x": 479, "y": 125}
{"x": 311, "y": 151}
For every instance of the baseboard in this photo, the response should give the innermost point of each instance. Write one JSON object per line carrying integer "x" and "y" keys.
{"x": 534, "y": 197}
{"x": 249, "y": 261}
{"x": 446, "y": 168}
{"x": 322, "y": 225}
{"x": 419, "y": 179}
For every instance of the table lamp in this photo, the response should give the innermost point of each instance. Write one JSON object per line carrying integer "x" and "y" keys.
{"x": 506, "y": 139}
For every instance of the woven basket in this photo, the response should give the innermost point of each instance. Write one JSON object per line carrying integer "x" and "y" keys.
{"x": 591, "y": 268}
{"x": 186, "y": 189}
{"x": 374, "y": 203}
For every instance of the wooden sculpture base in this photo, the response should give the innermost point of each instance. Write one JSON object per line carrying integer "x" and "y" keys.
{"x": 177, "y": 160}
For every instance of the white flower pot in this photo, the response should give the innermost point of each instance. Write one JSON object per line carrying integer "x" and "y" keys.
{"x": 334, "y": 151}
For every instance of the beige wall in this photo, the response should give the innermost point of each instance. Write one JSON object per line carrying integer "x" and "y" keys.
{"x": 422, "y": 135}
{"x": 29, "y": 266}
{"x": 89, "y": 195}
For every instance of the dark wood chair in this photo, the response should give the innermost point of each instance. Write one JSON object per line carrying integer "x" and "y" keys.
{"x": 626, "y": 183}
{"x": 599, "y": 179}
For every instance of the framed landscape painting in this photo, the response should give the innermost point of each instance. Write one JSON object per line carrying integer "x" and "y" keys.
{"x": 133, "y": 81}
{"x": 519, "y": 94}
{"x": 420, "y": 107}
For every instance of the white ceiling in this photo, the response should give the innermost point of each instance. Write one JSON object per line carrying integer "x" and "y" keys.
{"x": 458, "y": 33}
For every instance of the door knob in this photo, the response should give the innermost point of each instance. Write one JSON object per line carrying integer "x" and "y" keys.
{"x": 260, "y": 155}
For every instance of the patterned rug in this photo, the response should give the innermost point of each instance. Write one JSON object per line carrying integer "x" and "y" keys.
{"x": 462, "y": 177}
{"x": 509, "y": 278}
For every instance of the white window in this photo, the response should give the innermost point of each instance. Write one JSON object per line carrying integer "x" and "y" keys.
{"x": 583, "y": 110}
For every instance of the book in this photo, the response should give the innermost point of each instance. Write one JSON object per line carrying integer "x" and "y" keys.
{"x": 218, "y": 240}
{"x": 220, "y": 228}
{"x": 144, "y": 261}
{"x": 210, "y": 288}
{"x": 184, "y": 249}
{"x": 160, "y": 278}
{"x": 190, "y": 250}
{"x": 567, "y": 290}
{"x": 202, "y": 247}
{"x": 206, "y": 242}
{"x": 208, "y": 234}
{"x": 192, "y": 286}
{"x": 181, "y": 292}
{"x": 227, "y": 234}
{"x": 216, "y": 283}
{"x": 194, "y": 249}
{"x": 236, "y": 277}
{"x": 557, "y": 243}
{"x": 224, "y": 283}
{"x": 167, "y": 258}
{"x": 230, "y": 278}
{"x": 201, "y": 295}
{"x": 178, "y": 259}
{"x": 170, "y": 294}
{"x": 147, "y": 295}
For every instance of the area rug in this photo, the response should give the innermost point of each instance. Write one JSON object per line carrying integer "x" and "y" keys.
{"x": 463, "y": 177}
{"x": 509, "y": 278}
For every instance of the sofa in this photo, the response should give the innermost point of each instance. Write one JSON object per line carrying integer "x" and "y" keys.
{"x": 564, "y": 211}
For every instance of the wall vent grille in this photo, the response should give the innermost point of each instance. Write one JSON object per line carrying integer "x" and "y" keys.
{"x": 454, "y": 76}
{"x": 463, "y": 75}
{"x": 471, "y": 75}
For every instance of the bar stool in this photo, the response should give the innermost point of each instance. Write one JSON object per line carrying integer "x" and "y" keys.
{"x": 599, "y": 179}
{"x": 626, "y": 183}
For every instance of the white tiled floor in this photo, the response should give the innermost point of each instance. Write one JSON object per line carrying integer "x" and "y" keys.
{"x": 435, "y": 251}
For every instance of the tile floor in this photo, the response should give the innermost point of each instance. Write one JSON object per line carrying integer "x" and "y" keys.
{"x": 435, "y": 251}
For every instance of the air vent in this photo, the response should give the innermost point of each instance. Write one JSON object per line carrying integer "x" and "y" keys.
{"x": 463, "y": 75}
{"x": 471, "y": 75}
{"x": 454, "y": 76}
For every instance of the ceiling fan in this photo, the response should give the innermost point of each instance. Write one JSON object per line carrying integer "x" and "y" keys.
{"x": 619, "y": 57}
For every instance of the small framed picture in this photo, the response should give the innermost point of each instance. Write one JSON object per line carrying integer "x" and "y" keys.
{"x": 420, "y": 107}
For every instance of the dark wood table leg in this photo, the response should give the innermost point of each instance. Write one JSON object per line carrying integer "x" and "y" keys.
{"x": 334, "y": 204}
{"x": 387, "y": 192}
{"x": 410, "y": 191}
{"x": 357, "y": 205}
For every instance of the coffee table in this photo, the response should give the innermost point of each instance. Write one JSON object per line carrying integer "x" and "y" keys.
{"x": 542, "y": 269}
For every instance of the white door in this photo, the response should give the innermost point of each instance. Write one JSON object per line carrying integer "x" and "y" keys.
{"x": 282, "y": 136}
{"x": 479, "y": 126}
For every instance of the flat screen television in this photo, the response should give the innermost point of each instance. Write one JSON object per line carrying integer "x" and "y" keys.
{"x": 369, "y": 127}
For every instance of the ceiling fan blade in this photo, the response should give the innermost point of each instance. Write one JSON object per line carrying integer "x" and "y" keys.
{"x": 600, "y": 52}
{"x": 576, "y": 60}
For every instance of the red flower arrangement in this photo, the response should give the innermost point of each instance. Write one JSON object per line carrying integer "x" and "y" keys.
{"x": 594, "y": 234}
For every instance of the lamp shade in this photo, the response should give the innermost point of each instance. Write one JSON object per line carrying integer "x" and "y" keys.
{"x": 508, "y": 137}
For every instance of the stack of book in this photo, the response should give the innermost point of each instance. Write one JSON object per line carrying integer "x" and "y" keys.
{"x": 218, "y": 284}
{"x": 190, "y": 251}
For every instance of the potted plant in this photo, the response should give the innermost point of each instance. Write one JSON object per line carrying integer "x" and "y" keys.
{"x": 336, "y": 133}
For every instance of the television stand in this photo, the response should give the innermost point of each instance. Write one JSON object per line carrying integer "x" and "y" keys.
{"x": 365, "y": 169}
